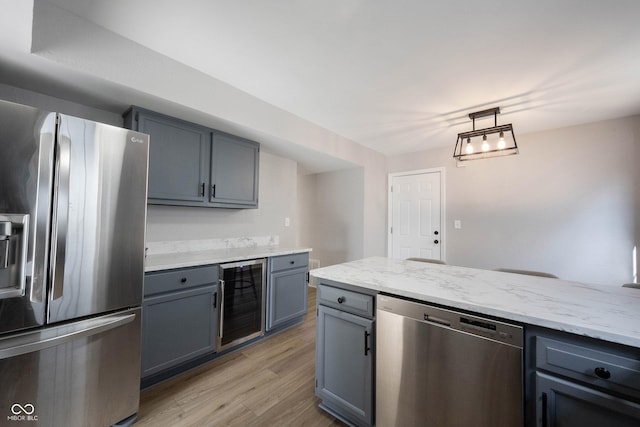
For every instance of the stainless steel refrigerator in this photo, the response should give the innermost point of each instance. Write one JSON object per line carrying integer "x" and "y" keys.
{"x": 72, "y": 230}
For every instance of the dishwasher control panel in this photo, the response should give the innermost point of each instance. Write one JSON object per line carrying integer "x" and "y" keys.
{"x": 487, "y": 328}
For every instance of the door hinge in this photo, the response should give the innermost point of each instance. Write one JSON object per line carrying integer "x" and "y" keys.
{"x": 316, "y": 383}
{"x": 392, "y": 188}
{"x": 391, "y": 230}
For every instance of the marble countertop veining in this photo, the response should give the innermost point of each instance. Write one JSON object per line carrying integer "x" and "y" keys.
{"x": 170, "y": 260}
{"x": 610, "y": 313}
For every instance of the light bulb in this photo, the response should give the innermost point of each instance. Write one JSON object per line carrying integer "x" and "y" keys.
{"x": 485, "y": 144}
{"x": 469, "y": 147}
{"x": 501, "y": 143}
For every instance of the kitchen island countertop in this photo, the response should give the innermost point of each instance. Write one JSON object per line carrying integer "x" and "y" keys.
{"x": 610, "y": 313}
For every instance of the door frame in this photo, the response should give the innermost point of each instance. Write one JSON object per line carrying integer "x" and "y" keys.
{"x": 443, "y": 222}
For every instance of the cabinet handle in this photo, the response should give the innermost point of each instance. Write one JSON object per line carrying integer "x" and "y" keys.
{"x": 183, "y": 280}
{"x": 602, "y": 373}
{"x": 366, "y": 343}
{"x": 544, "y": 409}
{"x": 221, "y": 326}
{"x": 215, "y": 300}
{"x": 292, "y": 262}
{"x": 213, "y": 191}
{"x": 340, "y": 300}
{"x": 202, "y": 190}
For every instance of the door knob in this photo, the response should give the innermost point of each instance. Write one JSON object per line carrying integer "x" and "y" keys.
{"x": 436, "y": 242}
{"x": 435, "y": 232}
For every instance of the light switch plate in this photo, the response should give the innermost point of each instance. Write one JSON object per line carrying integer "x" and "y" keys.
{"x": 457, "y": 224}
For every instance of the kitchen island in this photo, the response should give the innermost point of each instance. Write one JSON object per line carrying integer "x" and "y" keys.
{"x": 561, "y": 319}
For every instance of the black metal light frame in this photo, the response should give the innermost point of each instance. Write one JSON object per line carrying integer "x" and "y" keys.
{"x": 458, "y": 151}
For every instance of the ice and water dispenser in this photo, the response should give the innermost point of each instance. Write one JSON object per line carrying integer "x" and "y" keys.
{"x": 14, "y": 240}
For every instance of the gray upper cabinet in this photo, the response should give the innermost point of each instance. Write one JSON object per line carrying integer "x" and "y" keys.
{"x": 178, "y": 158}
{"x": 234, "y": 171}
{"x": 191, "y": 165}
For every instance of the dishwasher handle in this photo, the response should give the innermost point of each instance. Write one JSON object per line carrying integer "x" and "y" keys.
{"x": 437, "y": 320}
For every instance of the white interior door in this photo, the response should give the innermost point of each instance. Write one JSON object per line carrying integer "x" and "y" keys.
{"x": 416, "y": 229}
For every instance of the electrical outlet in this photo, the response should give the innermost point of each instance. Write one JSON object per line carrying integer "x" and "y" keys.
{"x": 287, "y": 222}
{"x": 457, "y": 224}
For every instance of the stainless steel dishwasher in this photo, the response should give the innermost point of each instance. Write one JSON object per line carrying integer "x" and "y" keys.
{"x": 442, "y": 368}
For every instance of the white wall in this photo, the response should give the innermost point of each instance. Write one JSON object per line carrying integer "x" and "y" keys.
{"x": 334, "y": 216}
{"x": 277, "y": 200}
{"x": 568, "y": 204}
{"x": 306, "y": 207}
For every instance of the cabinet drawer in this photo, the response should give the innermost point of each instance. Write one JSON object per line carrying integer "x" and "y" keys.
{"x": 286, "y": 262}
{"x": 599, "y": 368}
{"x": 342, "y": 299}
{"x": 165, "y": 281}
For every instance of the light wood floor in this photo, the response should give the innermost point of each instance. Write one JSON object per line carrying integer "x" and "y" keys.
{"x": 270, "y": 383}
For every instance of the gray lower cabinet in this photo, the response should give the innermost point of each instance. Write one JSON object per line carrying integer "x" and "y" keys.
{"x": 567, "y": 404}
{"x": 581, "y": 382}
{"x": 192, "y": 165}
{"x": 345, "y": 355}
{"x": 179, "y": 317}
{"x": 286, "y": 289}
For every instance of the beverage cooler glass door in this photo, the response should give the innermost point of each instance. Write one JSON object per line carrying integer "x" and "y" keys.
{"x": 242, "y": 289}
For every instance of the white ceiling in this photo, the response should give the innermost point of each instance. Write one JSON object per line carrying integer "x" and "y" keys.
{"x": 401, "y": 76}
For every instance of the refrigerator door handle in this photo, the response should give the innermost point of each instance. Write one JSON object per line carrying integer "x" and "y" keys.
{"x": 60, "y": 217}
{"x": 40, "y": 340}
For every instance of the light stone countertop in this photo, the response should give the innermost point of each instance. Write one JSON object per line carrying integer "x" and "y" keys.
{"x": 171, "y": 260}
{"x": 610, "y": 313}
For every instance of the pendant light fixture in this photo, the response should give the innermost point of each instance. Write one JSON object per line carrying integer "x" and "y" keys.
{"x": 486, "y": 147}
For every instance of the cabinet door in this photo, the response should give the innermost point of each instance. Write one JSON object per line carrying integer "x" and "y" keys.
{"x": 178, "y": 160}
{"x": 287, "y": 296}
{"x": 565, "y": 404}
{"x": 344, "y": 364}
{"x": 177, "y": 327}
{"x": 234, "y": 171}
